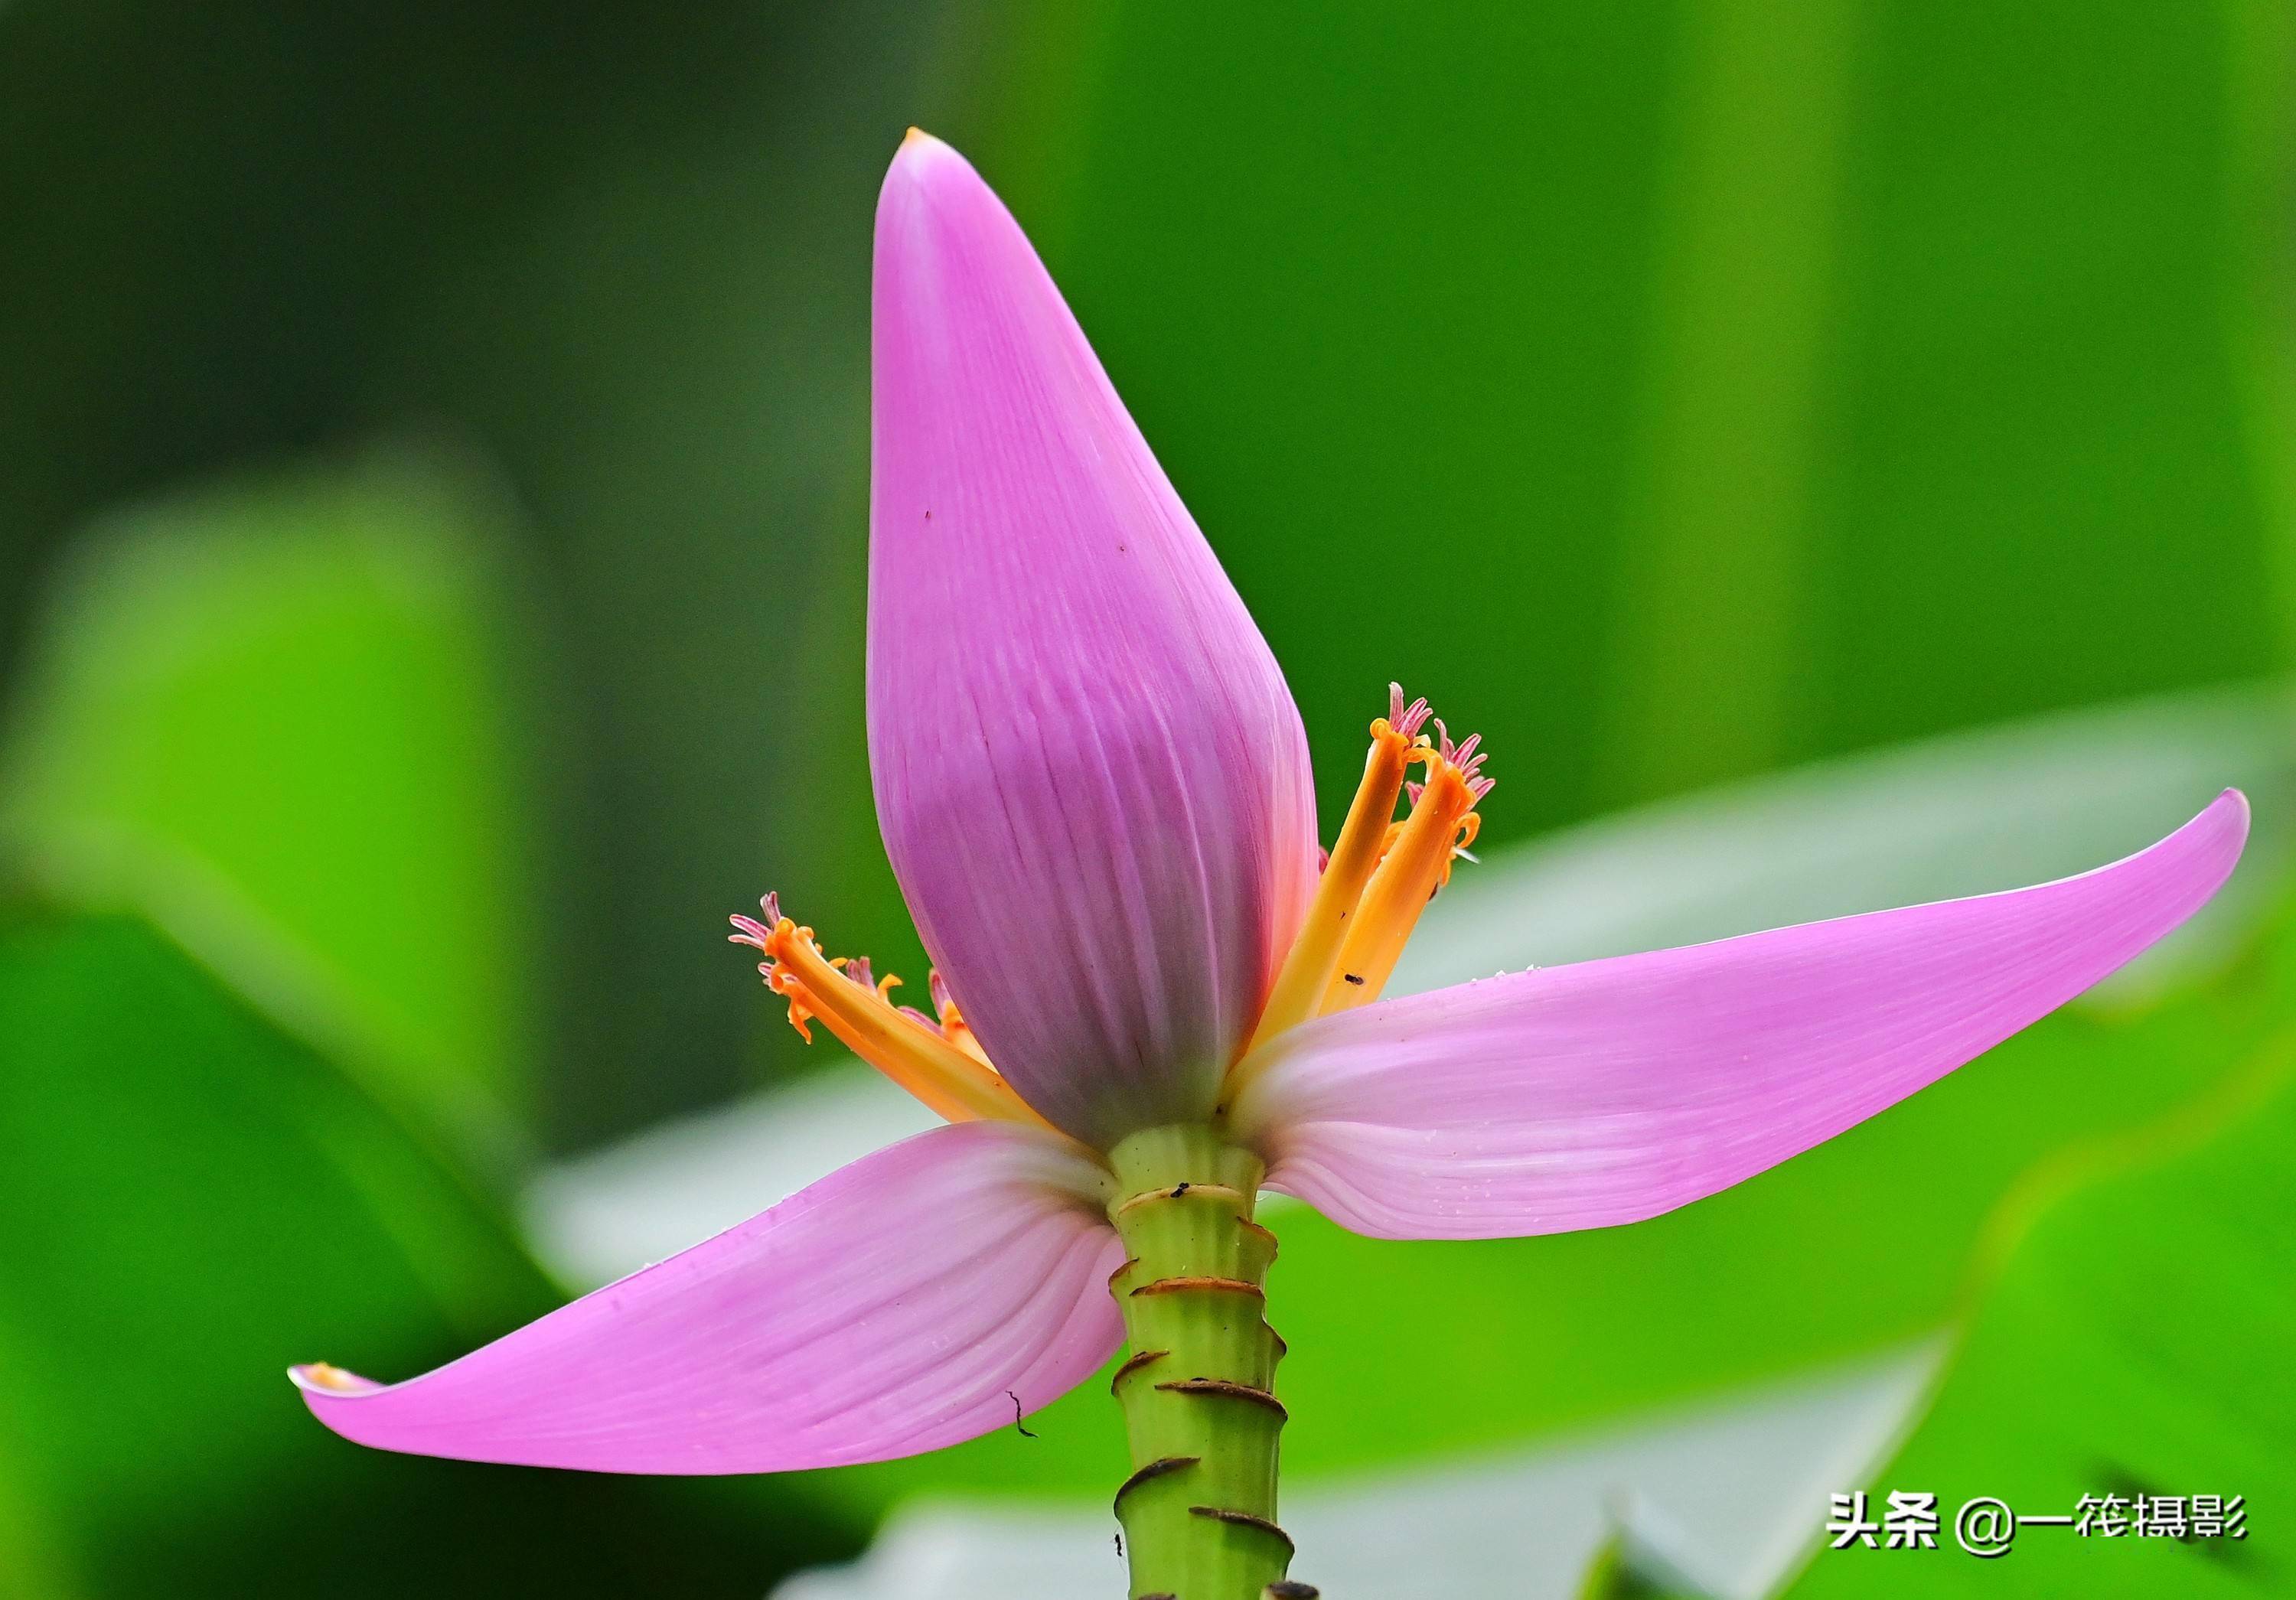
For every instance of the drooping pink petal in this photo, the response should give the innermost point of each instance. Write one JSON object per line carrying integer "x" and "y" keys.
{"x": 1091, "y": 780}
{"x": 886, "y": 1311}
{"x": 1580, "y": 1096}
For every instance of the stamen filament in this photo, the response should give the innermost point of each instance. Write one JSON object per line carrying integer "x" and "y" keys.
{"x": 958, "y": 1085}
{"x": 954, "y": 1028}
{"x": 1306, "y": 971}
{"x": 1442, "y": 822}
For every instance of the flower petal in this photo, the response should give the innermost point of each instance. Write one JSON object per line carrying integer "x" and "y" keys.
{"x": 1580, "y": 1096}
{"x": 1091, "y": 780}
{"x": 886, "y": 1311}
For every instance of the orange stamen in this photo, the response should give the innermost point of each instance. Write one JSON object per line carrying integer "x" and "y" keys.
{"x": 952, "y": 1025}
{"x": 1442, "y": 824}
{"x": 1363, "y": 839}
{"x": 955, "y": 1081}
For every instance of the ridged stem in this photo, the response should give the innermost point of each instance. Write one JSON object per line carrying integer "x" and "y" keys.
{"x": 1198, "y": 1390}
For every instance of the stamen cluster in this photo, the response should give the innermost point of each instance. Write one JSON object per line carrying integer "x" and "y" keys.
{"x": 937, "y": 1060}
{"x": 1382, "y": 872}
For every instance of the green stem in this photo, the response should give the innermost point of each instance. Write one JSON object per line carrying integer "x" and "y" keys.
{"x": 1199, "y": 1511}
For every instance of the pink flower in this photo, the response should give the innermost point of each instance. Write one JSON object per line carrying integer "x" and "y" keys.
{"x": 1094, "y": 789}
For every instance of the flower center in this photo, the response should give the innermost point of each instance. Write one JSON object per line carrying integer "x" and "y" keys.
{"x": 1381, "y": 872}
{"x": 937, "y": 1061}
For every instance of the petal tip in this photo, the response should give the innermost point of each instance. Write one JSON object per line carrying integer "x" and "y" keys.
{"x": 921, "y": 157}
{"x": 929, "y": 186}
{"x": 319, "y": 1378}
{"x": 2223, "y": 827}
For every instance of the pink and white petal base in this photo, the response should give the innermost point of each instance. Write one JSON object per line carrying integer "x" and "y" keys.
{"x": 885, "y": 1312}
{"x": 1607, "y": 1092}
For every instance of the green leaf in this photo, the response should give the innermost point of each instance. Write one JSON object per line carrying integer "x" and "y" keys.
{"x": 278, "y": 716}
{"x": 197, "y": 1200}
{"x": 2134, "y": 1338}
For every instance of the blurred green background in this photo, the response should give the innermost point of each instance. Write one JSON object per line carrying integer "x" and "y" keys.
{"x": 432, "y": 513}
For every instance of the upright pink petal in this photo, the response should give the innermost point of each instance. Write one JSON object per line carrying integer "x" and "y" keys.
{"x": 1579, "y": 1096}
{"x": 1091, "y": 780}
{"x": 886, "y": 1311}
